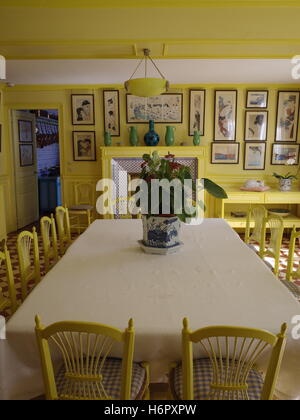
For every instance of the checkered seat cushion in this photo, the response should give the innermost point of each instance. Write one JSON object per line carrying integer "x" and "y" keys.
{"x": 203, "y": 377}
{"x": 81, "y": 207}
{"x": 111, "y": 382}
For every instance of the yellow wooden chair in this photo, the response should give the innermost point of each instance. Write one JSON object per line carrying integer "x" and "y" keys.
{"x": 11, "y": 300}
{"x": 256, "y": 214}
{"x": 49, "y": 237}
{"x": 64, "y": 230}
{"x": 81, "y": 214}
{"x": 228, "y": 372}
{"x": 29, "y": 259}
{"x": 290, "y": 272}
{"x": 87, "y": 371}
{"x": 276, "y": 226}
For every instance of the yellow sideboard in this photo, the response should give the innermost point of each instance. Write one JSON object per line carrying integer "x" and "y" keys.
{"x": 2, "y": 215}
{"x": 241, "y": 200}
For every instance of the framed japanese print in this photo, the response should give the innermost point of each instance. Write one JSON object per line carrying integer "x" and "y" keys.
{"x": 287, "y": 116}
{"x": 225, "y": 115}
{"x": 83, "y": 110}
{"x": 281, "y": 153}
{"x": 257, "y": 99}
{"x": 111, "y": 112}
{"x": 25, "y": 131}
{"x": 256, "y": 125}
{"x": 26, "y": 154}
{"x": 225, "y": 152}
{"x": 165, "y": 108}
{"x": 84, "y": 145}
{"x": 255, "y": 156}
{"x": 197, "y": 111}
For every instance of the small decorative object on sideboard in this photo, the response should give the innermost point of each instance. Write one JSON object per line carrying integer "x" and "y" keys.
{"x": 161, "y": 226}
{"x": 255, "y": 185}
{"x": 170, "y": 137}
{"x": 285, "y": 181}
{"x": 151, "y": 138}
{"x": 133, "y": 136}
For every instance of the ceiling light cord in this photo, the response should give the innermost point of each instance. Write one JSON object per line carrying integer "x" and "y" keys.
{"x": 146, "y": 57}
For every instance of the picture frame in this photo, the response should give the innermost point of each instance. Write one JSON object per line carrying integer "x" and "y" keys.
{"x": 111, "y": 109}
{"x": 287, "y": 116}
{"x": 225, "y": 115}
{"x": 26, "y": 154}
{"x": 281, "y": 153}
{"x": 84, "y": 146}
{"x": 83, "y": 109}
{"x": 25, "y": 131}
{"x": 196, "y": 111}
{"x": 255, "y": 156}
{"x": 166, "y": 108}
{"x": 225, "y": 152}
{"x": 257, "y": 99}
{"x": 256, "y": 125}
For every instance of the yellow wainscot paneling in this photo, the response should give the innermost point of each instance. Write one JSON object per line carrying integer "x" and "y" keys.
{"x": 2, "y": 215}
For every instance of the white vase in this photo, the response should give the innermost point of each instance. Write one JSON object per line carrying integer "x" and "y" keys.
{"x": 161, "y": 231}
{"x": 285, "y": 184}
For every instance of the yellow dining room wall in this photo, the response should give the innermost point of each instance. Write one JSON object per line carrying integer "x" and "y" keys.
{"x": 59, "y": 97}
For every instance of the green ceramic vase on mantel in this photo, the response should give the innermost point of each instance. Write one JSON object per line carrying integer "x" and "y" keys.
{"x": 170, "y": 136}
{"x": 107, "y": 139}
{"x": 133, "y": 136}
{"x": 196, "y": 138}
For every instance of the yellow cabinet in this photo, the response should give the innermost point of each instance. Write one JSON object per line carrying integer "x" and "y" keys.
{"x": 239, "y": 201}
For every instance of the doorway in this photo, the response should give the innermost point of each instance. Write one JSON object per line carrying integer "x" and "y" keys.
{"x": 37, "y": 163}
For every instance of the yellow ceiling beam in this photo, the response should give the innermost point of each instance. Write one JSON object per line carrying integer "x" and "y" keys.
{"x": 146, "y": 3}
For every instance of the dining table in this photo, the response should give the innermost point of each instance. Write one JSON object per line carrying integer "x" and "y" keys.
{"x": 105, "y": 277}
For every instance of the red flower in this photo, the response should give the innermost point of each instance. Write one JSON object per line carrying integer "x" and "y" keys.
{"x": 174, "y": 165}
{"x": 169, "y": 156}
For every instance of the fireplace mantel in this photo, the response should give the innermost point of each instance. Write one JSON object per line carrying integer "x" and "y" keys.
{"x": 109, "y": 153}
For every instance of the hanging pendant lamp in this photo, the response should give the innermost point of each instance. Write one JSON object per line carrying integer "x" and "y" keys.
{"x": 147, "y": 86}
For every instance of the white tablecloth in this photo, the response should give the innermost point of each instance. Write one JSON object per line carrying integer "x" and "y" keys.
{"x": 105, "y": 277}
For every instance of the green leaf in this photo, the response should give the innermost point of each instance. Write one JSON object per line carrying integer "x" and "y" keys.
{"x": 214, "y": 189}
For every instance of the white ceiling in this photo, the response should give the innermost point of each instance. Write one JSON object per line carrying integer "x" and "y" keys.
{"x": 116, "y": 71}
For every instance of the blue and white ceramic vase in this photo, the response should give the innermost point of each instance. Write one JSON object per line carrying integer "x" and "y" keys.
{"x": 161, "y": 231}
{"x": 151, "y": 138}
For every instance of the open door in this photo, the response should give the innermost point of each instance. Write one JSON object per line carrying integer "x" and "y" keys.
{"x": 26, "y": 181}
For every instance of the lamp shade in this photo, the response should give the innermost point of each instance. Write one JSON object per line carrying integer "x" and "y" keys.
{"x": 146, "y": 87}
{"x": 2, "y": 68}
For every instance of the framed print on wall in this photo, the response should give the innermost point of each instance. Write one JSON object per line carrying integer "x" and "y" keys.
{"x": 84, "y": 145}
{"x": 281, "y": 153}
{"x": 287, "y": 116}
{"x": 225, "y": 152}
{"x": 111, "y": 112}
{"x": 225, "y": 115}
{"x": 26, "y": 155}
{"x": 256, "y": 125}
{"x": 83, "y": 112}
{"x": 25, "y": 131}
{"x": 196, "y": 111}
{"x": 255, "y": 156}
{"x": 257, "y": 99}
{"x": 166, "y": 108}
